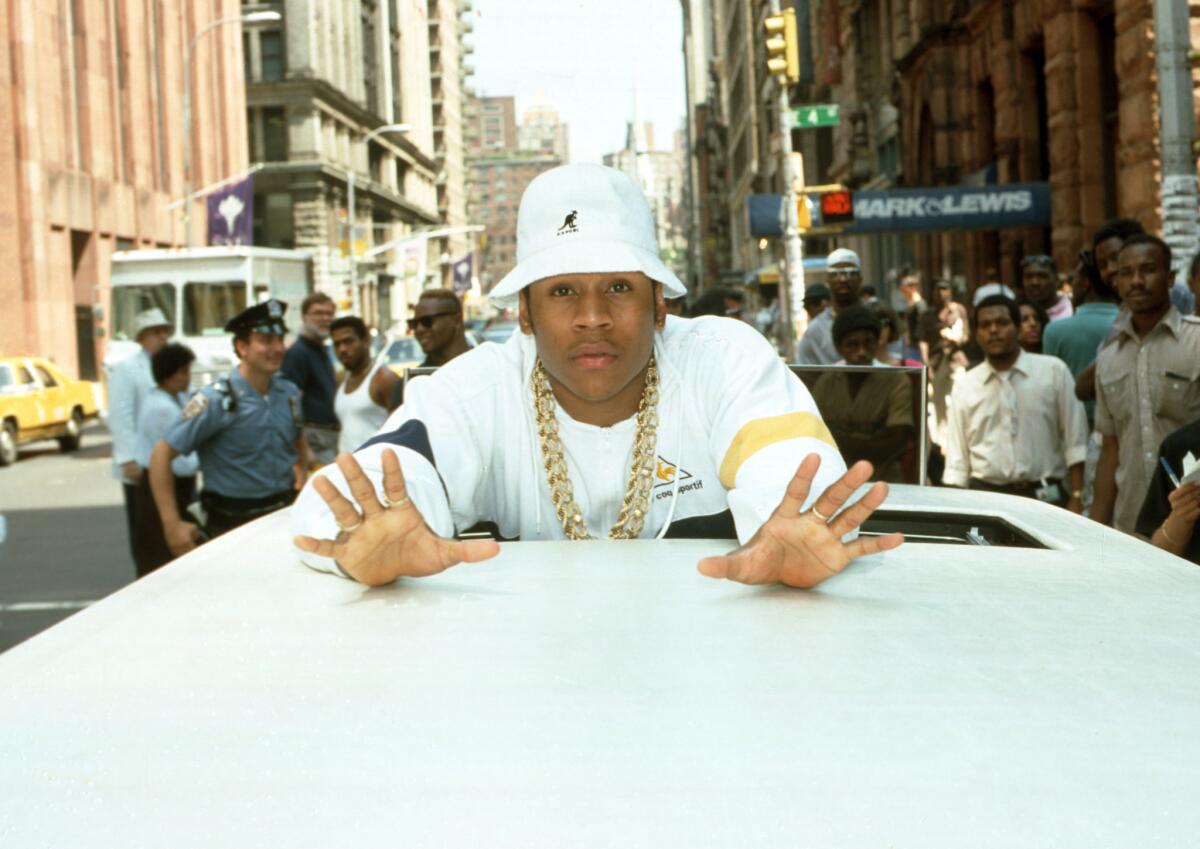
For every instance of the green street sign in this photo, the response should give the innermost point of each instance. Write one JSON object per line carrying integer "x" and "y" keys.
{"x": 811, "y": 117}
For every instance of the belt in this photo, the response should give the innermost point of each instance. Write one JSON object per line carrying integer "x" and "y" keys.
{"x": 322, "y": 426}
{"x": 1027, "y": 488}
{"x": 214, "y": 500}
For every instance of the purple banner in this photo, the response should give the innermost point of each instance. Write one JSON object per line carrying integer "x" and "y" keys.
{"x": 231, "y": 214}
{"x": 462, "y": 273}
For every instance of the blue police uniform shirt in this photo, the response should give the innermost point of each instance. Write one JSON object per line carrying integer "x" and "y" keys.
{"x": 246, "y": 449}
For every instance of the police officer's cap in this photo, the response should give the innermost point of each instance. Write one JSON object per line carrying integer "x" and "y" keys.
{"x": 266, "y": 317}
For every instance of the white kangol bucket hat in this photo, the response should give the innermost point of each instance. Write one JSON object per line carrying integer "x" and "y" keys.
{"x": 581, "y": 219}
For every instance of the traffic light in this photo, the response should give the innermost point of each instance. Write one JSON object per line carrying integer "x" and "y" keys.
{"x": 783, "y": 48}
{"x": 837, "y": 208}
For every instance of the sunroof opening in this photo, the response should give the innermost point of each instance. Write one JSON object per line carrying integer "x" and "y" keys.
{"x": 949, "y": 529}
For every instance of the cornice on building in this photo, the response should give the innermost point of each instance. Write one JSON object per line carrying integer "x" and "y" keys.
{"x": 319, "y": 173}
{"x": 317, "y": 92}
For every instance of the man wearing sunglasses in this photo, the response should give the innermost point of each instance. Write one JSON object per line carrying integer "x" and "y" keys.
{"x": 437, "y": 322}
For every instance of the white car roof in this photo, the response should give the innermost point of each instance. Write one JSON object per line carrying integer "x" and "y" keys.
{"x": 605, "y": 694}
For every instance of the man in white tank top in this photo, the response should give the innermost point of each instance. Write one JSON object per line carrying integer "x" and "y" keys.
{"x": 363, "y": 397}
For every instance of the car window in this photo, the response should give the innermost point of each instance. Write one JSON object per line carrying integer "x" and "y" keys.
{"x": 6, "y": 377}
{"x": 23, "y": 375}
{"x": 47, "y": 379}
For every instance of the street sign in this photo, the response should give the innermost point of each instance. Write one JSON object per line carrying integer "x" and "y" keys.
{"x": 811, "y": 117}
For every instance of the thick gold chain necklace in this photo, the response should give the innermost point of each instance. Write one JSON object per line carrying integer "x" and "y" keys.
{"x": 641, "y": 473}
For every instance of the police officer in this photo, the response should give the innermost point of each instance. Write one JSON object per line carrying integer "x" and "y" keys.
{"x": 246, "y": 429}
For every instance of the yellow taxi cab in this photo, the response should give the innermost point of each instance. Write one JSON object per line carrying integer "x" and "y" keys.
{"x": 38, "y": 401}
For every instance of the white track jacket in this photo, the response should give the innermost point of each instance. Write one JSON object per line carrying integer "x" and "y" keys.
{"x": 733, "y": 425}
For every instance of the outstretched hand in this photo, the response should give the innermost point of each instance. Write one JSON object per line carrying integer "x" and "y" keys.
{"x": 385, "y": 543}
{"x": 803, "y": 549}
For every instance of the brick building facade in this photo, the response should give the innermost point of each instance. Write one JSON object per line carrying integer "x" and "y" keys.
{"x": 91, "y": 153}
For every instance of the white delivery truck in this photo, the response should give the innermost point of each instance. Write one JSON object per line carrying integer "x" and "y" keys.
{"x": 199, "y": 289}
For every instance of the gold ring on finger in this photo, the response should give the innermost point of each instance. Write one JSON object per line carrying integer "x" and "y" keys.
{"x": 399, "y": 502}
{"x": 351, "y": 528}
{"x": 819, "y": 514}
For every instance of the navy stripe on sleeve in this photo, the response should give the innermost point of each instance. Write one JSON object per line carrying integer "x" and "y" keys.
{"x": 411, "y": 435}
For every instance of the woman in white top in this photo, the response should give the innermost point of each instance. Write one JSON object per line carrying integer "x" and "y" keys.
{"x": 363, "y": 397}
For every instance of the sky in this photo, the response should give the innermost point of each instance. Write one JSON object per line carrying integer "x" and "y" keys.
{"x": 585, "y": 58}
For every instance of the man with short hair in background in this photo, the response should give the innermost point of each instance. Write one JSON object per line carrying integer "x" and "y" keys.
{"x": 128, "y": 385}
{"x": 1039, "y": 282}
{"x": 1147, "y": 381}
{"x": 307, "y": 365}
{"x": 844, "y": 273}
{"x": 364, "y": 397}
{"x": 1015, "y": 425}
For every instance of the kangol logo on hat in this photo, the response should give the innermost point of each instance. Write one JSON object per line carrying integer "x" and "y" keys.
{"x": 569, "y": 225}
{"x": 610, "y": 223}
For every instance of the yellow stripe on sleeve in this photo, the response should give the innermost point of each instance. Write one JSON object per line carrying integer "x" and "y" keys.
{"x": 758, "y": 434}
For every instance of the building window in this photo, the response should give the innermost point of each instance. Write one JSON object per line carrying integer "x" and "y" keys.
{"x": 275, "y": 134}
{"x": 369, "y": 69}
{"x": 270, "y": 45}
{"x": 273, "y": 225}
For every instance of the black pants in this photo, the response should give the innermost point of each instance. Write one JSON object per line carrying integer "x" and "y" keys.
{"x": 130, "y": 491}
{"x": 225, "y": 513}
{"x": 150, "y": 549}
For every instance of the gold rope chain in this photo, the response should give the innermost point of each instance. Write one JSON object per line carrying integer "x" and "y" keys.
{"x": 641, "y": 473}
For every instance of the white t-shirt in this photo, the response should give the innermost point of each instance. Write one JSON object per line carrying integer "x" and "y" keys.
{"x": 733, "y": 425}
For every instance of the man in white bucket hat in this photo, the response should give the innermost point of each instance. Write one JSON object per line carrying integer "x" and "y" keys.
{"x": 603, "y": 417}
{"x": 129, "y": 383}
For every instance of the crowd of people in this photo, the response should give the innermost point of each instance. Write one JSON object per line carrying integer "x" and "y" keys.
{"x": 256, "y": 433}
{"x": 1079, "y": 389}
{"x": 1085, "y": 396}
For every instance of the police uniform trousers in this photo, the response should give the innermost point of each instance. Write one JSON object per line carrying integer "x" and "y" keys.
{"x": 224, "y": 513}
{"x": 150, "y": 549}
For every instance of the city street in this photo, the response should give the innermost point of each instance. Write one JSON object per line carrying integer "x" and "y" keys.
{"x": 66, "y": 543}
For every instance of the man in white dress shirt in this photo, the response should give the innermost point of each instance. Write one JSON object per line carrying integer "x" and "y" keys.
{"x": 128, "y": 385}
{"x": 604, "y": 416}
{"x": 1015, "y": 425}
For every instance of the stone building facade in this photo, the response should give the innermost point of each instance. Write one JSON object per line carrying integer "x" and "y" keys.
{"x": 934, "y": 93}
{"x": 941, "y": 94}
{"x": 449, "y": 70}
{"x": 92, "y": 157}
{"x": 339, "y": 69}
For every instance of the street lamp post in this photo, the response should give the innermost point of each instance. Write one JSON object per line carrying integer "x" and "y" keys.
{"x": 351, "y": 219}
{"x": 251, "y": 18}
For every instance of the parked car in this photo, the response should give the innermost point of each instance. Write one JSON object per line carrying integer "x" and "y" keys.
{"x": 38, "y": 401}
{"x": 402, "y": 352}
{"x": 1013, "y": 675}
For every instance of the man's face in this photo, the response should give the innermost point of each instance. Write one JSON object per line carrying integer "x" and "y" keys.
{"x": 1040, "y": 284}
{"x": 262, "y": 352}
{"x": 318, "y": 318}
{"x": 1194, "y": 285}
{"x": 943, "y": 295}
{"x": 436, "y": 324}
{"x": 594, "y": 334}
{"x": 154, "y": 339}
{"x": 1143, "y": 279}
{"x": 995, "y": 331}
{"x": 910, "y": 288}
{"x": 858, "y": 347}
{"x": 350, "y": 348}
{"x": 815, "y": 307}
{"x": 1106, "y": 259}
{"x": 844, "y": 281}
